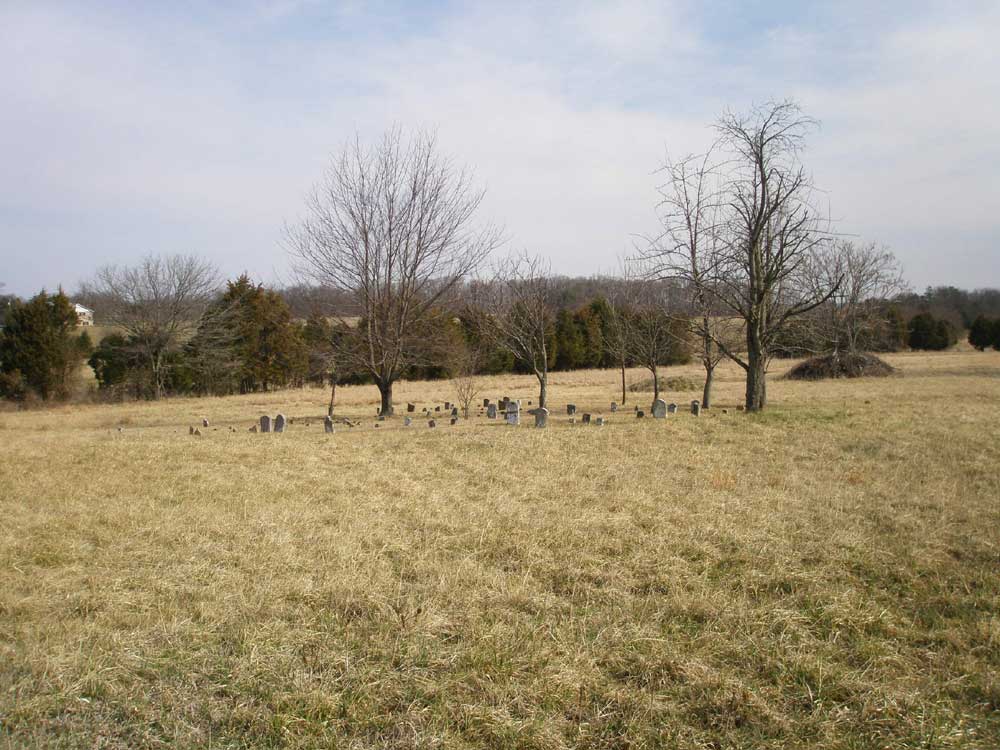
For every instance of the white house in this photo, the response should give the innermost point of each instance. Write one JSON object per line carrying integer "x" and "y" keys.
{"x": 84, "y": 315}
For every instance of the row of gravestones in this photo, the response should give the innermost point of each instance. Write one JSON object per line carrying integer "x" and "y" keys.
{"x": 512, "y": 412}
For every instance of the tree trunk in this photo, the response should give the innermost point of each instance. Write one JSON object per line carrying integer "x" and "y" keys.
{"x": 706, "y": 391}
{"x": 385, "y": 391}
{"x": 656, "y": 388}
{"x": 623, "y": 384}
{"x": 756, "y": 384}
{"x": 543, "y": 381}
{"x": 333, "y": 395}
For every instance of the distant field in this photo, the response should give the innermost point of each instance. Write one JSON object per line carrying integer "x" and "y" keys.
{"x": 823, "y": 575}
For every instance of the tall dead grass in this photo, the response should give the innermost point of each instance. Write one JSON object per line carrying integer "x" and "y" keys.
{"x": 820, "y": 575}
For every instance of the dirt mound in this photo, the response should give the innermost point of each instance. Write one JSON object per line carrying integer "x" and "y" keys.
{"x": 841, "y": 366}
{"x": 674, "y": 383}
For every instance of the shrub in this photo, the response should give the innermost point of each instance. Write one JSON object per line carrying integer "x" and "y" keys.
{"x": 929, "y": 333}
{"x": 672, "y": 383}
{"x": 981, "y": 332}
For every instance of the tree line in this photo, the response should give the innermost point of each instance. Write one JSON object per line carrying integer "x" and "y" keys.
{"x": 398, "y": 277}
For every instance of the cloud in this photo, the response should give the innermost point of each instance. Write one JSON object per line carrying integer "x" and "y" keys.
{"x": 197, "y": 131}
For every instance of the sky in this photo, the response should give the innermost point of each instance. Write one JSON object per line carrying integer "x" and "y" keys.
{"x": 188, "y": 127}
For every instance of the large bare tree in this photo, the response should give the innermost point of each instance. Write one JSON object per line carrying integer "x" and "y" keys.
{"x": 520, "y": 313}
{"x": 157, "y": 304}
{"x": 753, "y": 255}
{"x": 393, "y": 225}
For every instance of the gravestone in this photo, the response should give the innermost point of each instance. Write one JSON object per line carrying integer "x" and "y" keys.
{"x": 432, "y": 423}
{"x": 659, "y": 409}
{"x": 491, "y": 411}
{"x": 447, "y": 405}
{"x": 695, "y": 408}
{"x": 639, "y": 414}
{"x": 190, "y": 430}
{"x": 513, "y": 413}
{"x": 454, "y": 411}
{"x": 454, "y": 421}
{"x": 279, "y": 423}
{"x": 671, "y": 408}
{"x": 570, "y": 409}
{"x": 204, "y": 422}
{"x": 599, "y": 421}
{"x": 740, "y": 407}
{"x": 586, "y": 418}
{"x": 265, "y": 423}
{"x": 381, "y": 417}
{"x": 410, "y": 408}
{"x": 541, "y": 417}
{"x": 437, "y": 408}
{"x": 486, "y": 402}
{"x": 504, "y": 403}
{"x": 614, "y": 406}
{"x": 407, "y": 421}
{"x": 328, "y": 424}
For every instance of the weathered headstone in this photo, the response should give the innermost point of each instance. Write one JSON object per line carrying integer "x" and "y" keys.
{"x": 432, "y": 423}
{"x": 614, "y": 406}
{"x": 407, "y": 421}
{"x": 437, "y": 408}
{"x": 541, "y": 416}
{"x": 454, "y": 421}
{"x": 491, "y": 411}
{"x": 328, "y": 424}
{"x": 447, "y": 405}
{"x": 279, "y": 423}
{"x": 513, "y": 413}
{"x": 586, "y": 418}
{"x": 570, "y": 410}
{"x": 204, "y": 422}
{"x": 659, "y": 409}
{"x": 454, "y": 411}
{"x": 695, "y": 408}
{"x": 486, "y": 402}
{"x": 599, "y": 421}
{"x": 410, "y": 408}
{"x": 671, "y": 408}
{"x": 265, "y": 423}
{"x": 381, "y": 417}
{"x": 639, "y": 413}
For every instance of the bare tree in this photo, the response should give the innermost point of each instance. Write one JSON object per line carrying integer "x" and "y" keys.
{"x": 463, "y": 363}
{"x": 157, "y": 304}
{"x": 393, "y": 225}
{"x": 520, "y": 313}
{"x": 865, "y": 277}
{"x": 687, "y": 249}
{"x": 656, "y": 337}
{"x": 618, "y": 333}
{"x": 754, "y": 253}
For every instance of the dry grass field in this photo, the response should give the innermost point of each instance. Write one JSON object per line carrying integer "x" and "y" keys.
{"x": 823, "y": 575}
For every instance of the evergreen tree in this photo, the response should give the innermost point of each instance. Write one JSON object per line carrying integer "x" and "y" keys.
{"x": 40, "y": 349}
{"x": 269, "y": 344}
{"x": 981, "y": 332}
